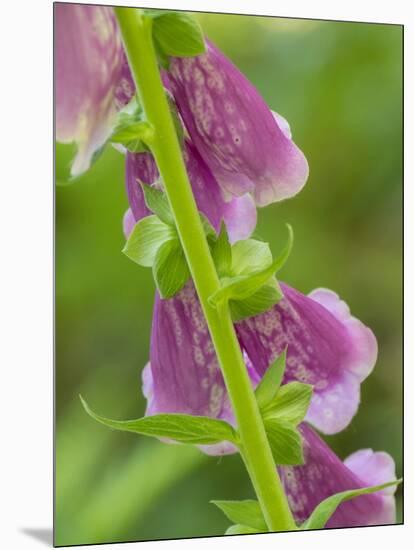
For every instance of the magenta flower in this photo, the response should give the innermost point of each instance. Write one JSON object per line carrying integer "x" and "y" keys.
{"x": 183, "y": 375}
{"x": 239, "y": 214}
{"x": 88, "y": 68}
{"x": 247, "y": 148}
{"x": 324, "y": 474}
{"x": 327, "y": 348}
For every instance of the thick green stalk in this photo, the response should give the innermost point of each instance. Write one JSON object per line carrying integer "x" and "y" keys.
{"x": 137, "y": 37}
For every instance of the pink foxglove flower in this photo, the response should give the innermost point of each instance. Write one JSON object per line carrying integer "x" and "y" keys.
{"x": 88, "y": 69}
{"x": 324, "y": 474}
{"x": 246, "y": 146}
{"x": 327, "y": 348}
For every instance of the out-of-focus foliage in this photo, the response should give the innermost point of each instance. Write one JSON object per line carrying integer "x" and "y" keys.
{"x": 339, "y": 85}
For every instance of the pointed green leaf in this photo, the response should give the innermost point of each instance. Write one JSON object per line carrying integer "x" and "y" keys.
{"x": 170, "y": 268}
{"x": 269, "y": 384}
{"x": 178, "y": 34}
{"x": 131, "y": 129}
{"x": 157, "y": 202}
{"x": 245, "y": 512}
{"x": 221, "y": 252}
{"x": 242, "y": 530}
{"x": 285, "y": 442}
{"x": 321, "y": 514}
{"x": 290, "y": 404}
{"x": 249, "y": 256}
{"x": 241, "y": 287}
{"x": 208, "y": 228}
{"x": 198, "y": 430}
{"x": 280, "y": 261}
{"x": 133, "y": 136}
{"x": 148, "y": 235}
{"x": 266, "y": 297}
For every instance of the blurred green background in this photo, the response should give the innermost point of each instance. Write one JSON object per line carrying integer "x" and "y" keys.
{"x": 339, "y": 85}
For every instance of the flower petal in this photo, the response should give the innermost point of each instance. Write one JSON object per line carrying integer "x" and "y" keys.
{"x": 245, "y": 146}
{"x": 140, "y": 167}
{"x": 324, "y": 474}
{"x": 128, "y": 223}
{"x": 88, "y": 56}
{"x": 239, "y": 214}
{"x": 185, "y": 370}
{"x": 183, "y": 374}
{"x": 327, "y": 348}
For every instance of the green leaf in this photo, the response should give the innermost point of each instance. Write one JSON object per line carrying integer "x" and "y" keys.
{"x": 241, "y": 287}
{"x": 266, "y": 297}
{"x": 249, "y": 256}
{"x": 170, "y": 269}
{"x": 178, "y": 34}
{"x": 269, "y": 385}
{"x": 245, "y": 512}
{"x": 131, "y": 129}
{"x": 285, "y": 442}
{"x": 157, "y": 202}
{"x": 290, "y": 404}
{"x": 324, "y": 510}
{"x": 153, "y": 13}
{"x": 221, "y": 252}
{"x": 198, "y": 430}
{"x": 131, "y": 137}
{"x": 241, "y": 530}
{"x": 208, "y": 228}
{"x": 175, "y": 116}
{"x": 148, "y": 235}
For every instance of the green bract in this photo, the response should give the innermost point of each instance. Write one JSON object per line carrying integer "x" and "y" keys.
{"x": 131, "y": 129}
{"x": 157, "y": 202}
{"x": 282, "y": 409}
{"x": 246, "y": 513}
{"x": 170, "y": 268}
{"x": 285, "y": 441}
{"x": 247, "y": 275}
{"x": 199, "y": 430}
{"x": 269, "y": 385}
{"x": 326, "y": 508}
{"x": 290, "y": 404}
{"x": 177, "y": 34}
{"x": 148, "y": 235}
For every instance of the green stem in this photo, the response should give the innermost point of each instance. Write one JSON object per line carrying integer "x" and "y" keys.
{"x": 137, "y": 36}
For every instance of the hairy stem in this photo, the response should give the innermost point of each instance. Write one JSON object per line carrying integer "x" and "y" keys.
{"x": 136, "y": 31}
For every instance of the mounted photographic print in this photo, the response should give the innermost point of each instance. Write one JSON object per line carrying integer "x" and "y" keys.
{"x": 228, "y": 274}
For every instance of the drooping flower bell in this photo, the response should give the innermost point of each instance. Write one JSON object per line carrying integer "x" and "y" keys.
{"x": 327, "y": 348}
{"x": 324, "y": 474}
{"x": 89, "y": 57}
{"x": 246, "y": 146}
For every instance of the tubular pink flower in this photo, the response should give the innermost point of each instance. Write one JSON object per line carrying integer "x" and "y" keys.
{"x": 248, "y": 149}
{"x": 327, "y": 348}
{"x": 324, "y": 474}
{"x": 88, "y": 67}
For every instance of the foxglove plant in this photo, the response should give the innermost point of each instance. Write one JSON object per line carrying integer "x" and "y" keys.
{"x": 239, "y": 362}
